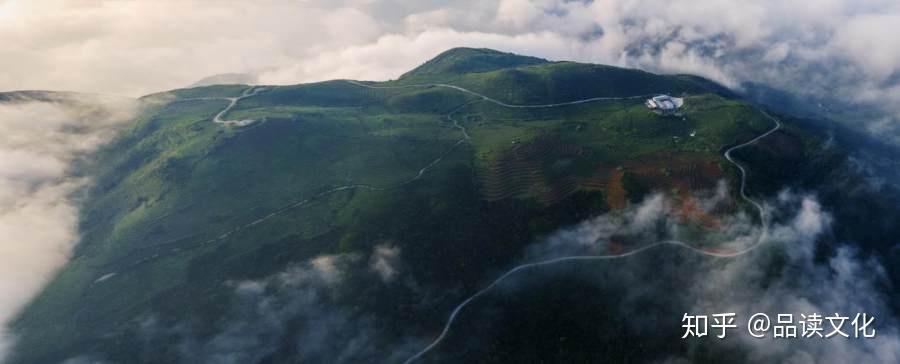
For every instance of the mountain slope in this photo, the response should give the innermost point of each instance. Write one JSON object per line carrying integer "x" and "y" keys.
{"x": 185, "y": 211}
{"x": 459, "y": 61}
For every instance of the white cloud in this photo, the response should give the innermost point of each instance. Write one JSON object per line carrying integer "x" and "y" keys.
{"x": 391, "y": 55}
{"x": 326, "y": 270}
{"x": 834, "y": 50}
{"x": 299, "y": 308}
{"x": 38, "y": 219}
{"x": 384, "y": 261}
{"x": 867, "y": 40}
{"x": 135, "y": 47}
{"x": 783, "y": 275}
{"x": 846, "y": 283}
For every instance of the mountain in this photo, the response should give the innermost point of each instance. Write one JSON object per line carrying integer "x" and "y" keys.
{"x": 226, "y": 79}
{"x": 37, "y": 95}
{"x": 459, "y": 61}
{"x": 344, "y": 217}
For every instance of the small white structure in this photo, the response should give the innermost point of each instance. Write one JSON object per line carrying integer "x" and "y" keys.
{"x": 664, "y": 104}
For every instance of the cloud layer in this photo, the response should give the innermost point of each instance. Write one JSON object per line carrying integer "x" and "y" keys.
{"x": 38, "y": 213}
{"x": 310, "y": 313}
{"x": 135, "y": 47}
{"x": 836, "y": 55}
{"x": 790, "y": 273}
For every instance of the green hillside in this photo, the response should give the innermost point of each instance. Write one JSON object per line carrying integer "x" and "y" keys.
{"x": 460, "y": 61}
{"x": 181, "y": 205}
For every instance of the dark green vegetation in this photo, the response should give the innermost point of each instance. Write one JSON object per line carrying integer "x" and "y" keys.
{"x": 467, "y": 60}
{"x": 182, "y": 205}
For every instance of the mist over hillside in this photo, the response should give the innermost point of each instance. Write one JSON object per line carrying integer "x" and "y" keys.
{"x": 504, "y": 181}
{"x": 343, "y": 221}
{"x": 47, "y": 133}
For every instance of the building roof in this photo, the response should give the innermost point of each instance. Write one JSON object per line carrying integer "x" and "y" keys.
{"x": 665, "y": 103}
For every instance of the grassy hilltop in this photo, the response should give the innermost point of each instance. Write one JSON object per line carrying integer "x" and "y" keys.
{"x": 182, "y": 205}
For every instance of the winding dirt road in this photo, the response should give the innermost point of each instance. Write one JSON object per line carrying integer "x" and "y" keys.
{"x": 232, "y": 101}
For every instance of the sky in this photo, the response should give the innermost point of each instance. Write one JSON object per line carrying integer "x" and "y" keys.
{"x": 131, "y": 47}
{"x": 832, "y": 51}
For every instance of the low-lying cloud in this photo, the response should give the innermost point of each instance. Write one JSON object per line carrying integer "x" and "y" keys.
{"x": 384, "y": 261}
{"x": 791, "y": 272}
{"x": 306, "y": 312}
{"x": 38, "y": 205}
{"x": 309, "y": 312}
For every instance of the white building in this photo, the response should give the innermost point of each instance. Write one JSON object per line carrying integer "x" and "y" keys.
{"x": 664, "y": 104}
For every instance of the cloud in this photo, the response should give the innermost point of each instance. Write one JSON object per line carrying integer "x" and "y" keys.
{"x": 262, "y": 313}
{"x": 38, "y": 213}
{"x": 133, "y": 47}
{"x": 302, "y": 293}
{"x": 846, "y": 282}
{"x": 659, "y": 218}
{"x": 786, "y": 274}
{"x": 309, "y": 312}
{"x": 835, "y": 53}
{"x": 384, "y": 261}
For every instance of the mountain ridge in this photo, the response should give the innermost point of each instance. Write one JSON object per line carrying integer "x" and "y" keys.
{"x": 469, "y": 60}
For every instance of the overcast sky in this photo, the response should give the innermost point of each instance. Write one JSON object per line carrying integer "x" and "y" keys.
{"x": 136, "y": 47}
